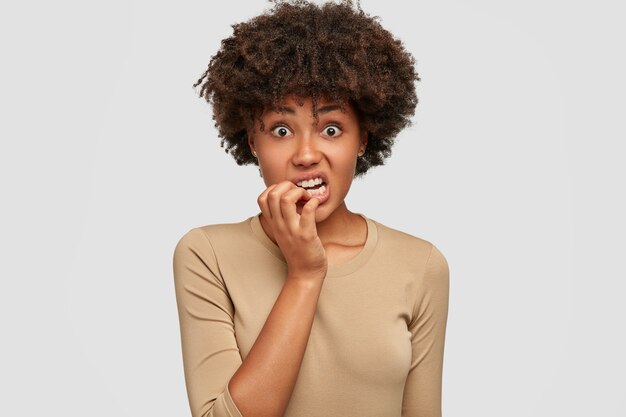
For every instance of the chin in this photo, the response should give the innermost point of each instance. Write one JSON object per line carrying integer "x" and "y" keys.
{"x": 321, "y": 213}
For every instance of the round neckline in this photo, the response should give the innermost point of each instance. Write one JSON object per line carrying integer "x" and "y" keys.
{"x": 337, "y": 270}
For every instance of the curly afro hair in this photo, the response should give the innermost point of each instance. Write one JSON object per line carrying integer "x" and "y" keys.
{"x": 331, "y": 50}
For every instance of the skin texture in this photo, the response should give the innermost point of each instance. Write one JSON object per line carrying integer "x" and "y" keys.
{"x": 296, "y": 143}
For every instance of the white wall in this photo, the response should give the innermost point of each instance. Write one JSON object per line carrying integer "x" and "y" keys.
{"x": 512, "y": 168}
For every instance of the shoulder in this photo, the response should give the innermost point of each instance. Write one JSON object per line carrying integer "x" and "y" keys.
{"x": 411, "y": 249}
{"x": 201, "y": 252}
{"x": 204, "y": 240}
{"x": 214, "y": 233}
{"x": 402, "y": 241}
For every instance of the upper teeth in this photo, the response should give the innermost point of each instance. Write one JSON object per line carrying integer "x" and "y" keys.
{"x": 309, "y": 183}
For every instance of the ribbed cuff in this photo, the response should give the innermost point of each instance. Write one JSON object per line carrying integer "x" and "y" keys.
{"x": 228, "y": 405}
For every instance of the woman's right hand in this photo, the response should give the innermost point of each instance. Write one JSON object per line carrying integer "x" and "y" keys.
{"x": 295, "y": 234}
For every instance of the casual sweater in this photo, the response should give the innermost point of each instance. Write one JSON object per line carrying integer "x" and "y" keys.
{"x": 377, "y": 339}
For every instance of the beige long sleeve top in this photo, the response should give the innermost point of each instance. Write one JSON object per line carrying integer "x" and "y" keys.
{"x": 377, "y": 340}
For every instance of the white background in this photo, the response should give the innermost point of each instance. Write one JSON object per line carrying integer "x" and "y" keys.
{"x": 513, "y": 168}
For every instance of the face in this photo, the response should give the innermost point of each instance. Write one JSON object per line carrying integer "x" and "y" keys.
{"x": 292, "y": 145}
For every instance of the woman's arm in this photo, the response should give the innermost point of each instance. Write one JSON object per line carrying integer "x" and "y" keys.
{"x": 263, "y": 384}
{"x": 207, "y": 327}
{"x": 422, "y": 390}
{"x": 218, "y": 383}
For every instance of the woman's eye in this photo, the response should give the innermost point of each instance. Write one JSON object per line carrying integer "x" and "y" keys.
{"x": 280, "y": 131}
{"x": 332, "y": 130}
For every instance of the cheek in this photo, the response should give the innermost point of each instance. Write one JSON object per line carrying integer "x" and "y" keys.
{"x": 273, "y": 171}
{"x": 344, "y": 170}
{"x": 347, "y": 161}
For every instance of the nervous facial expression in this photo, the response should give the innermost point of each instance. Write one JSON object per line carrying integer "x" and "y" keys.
{"x": 293, "y": 146}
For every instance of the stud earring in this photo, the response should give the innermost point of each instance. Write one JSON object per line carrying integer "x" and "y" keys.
{"x": 254, "y": 153}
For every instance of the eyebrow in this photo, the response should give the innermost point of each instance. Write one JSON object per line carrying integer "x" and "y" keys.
{"x": 320, "y": 110}
{"x": 329, "y": 108}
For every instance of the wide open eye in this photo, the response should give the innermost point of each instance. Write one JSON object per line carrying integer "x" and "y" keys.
{"x": 332, "y": 131}
{"x": 281, "y": 131}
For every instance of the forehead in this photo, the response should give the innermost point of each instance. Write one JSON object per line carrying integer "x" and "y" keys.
{"x": 292, "y": 105}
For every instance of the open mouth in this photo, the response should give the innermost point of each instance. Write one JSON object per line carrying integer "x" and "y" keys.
{"x": 315, "y": 187}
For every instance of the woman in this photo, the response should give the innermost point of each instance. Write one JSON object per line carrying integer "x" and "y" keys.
{"x": 308, "y": 309}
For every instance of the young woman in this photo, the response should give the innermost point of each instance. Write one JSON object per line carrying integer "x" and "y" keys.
{"x": 308, "y": 309}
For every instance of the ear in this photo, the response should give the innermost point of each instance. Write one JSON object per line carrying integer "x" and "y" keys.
{"x": 250, "y": 140}
{"x": 364, "y": 135}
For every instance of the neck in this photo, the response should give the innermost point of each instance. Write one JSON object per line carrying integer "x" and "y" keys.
{"x": 337, "y": 227}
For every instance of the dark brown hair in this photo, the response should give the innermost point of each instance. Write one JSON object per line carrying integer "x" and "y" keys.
{"x": 300, "y": 48}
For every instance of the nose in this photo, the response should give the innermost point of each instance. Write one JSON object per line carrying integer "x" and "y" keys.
{"x": 306, "y": 151}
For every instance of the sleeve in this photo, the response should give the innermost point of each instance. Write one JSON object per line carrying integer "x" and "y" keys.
{"x": 422, "y": 390}
{"x": 206, "y": 318}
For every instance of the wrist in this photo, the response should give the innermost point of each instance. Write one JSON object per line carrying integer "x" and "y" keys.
{"x": 306, "y": 280}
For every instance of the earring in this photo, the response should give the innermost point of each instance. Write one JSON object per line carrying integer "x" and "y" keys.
{"x": 361, "y": 153}
{"x": 254, "y": 153}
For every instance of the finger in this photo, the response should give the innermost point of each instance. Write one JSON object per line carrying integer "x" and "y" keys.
{"x": 303, "y": 198}
{"x": 262, "y": 201}
{"x": 307, "y": 218}
{"x": 273, "y": 198}
{"x": 288, "y": 206}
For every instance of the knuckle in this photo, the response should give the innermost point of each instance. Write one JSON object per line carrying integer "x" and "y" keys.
{"x": 273, "y": 194}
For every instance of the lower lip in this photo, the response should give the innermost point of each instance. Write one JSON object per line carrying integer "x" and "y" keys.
{"x": 321, "y": 197}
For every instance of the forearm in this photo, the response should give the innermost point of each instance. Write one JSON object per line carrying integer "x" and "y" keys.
{"x": 263, "y": 384}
